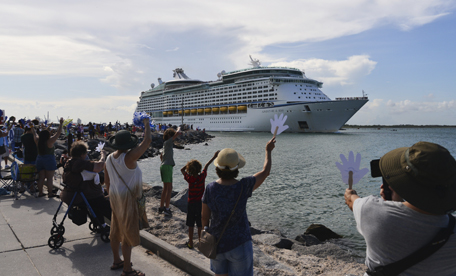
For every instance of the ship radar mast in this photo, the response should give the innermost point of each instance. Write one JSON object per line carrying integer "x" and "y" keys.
{"x": 254, "y": 62}
{"x": 179, "y": 74}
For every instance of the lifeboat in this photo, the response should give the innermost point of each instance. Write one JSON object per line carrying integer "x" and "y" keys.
{"x": 187, "y": 111}
{"x": 180, "y": 112}
{"x": 242, "y": 108}
{"x": 223, "y": 108}
{"x": 207, "y": 110}
{"x": 170, "y": 113}
{"x": 232, "y": 108}
{"x": 165, "y": 113}
{"x": 215, "y": 109}
{"x": 193, "y": 111}
{"x": 200, "y": 110}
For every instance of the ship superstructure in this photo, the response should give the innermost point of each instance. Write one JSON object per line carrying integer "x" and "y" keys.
{"x": 246, "y": 100}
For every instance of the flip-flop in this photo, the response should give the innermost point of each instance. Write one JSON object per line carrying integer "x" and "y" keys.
{"x": 188, "y": 245}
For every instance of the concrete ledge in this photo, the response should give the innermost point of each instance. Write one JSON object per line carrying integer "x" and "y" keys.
{"x": 171, "y": 254}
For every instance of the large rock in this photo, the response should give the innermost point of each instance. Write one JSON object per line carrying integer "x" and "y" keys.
{"x": 273, "y": 240}
{"x": 321, "y": 232}
{"x": 308, "y": 240}
{"x": 180, "y": 200}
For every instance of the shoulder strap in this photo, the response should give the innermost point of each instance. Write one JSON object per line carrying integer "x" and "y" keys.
{"x": 232, "y": 212}
{"x": 112, "y": 164}
{"x": 398, "y": 267}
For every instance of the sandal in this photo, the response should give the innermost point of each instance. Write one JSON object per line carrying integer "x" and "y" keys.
{"x": 132, "y": 273}
{"x": 118, "y": 265}
{"x": 188, "y": 245}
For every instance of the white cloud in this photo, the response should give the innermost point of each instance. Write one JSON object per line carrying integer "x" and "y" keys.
{"x": 334, "y": 72}
{"x": 104, "y": 109}
{"x": 427, "y": 107}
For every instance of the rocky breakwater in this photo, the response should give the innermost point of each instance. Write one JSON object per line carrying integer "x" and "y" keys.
{"x": 188, "y": 137}
{"x": 318, "y": 251}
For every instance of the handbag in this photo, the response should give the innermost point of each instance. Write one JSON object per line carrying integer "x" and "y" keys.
{"x": 208, "y": 244}
{"x": 78, "y": 215}
{"x": 398, "y": 267}
{"x": 141, "y": 202}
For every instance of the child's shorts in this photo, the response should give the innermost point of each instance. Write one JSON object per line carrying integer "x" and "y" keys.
{"x": 194, "y": 214}
{"x": 166, "y": 172}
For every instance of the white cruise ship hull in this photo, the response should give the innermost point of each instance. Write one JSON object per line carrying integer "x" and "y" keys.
{"x": 328, "y": 116}
{"x": 246, "y": 100}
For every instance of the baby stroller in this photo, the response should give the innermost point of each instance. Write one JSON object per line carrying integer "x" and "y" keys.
{"x": 78, "y": 214}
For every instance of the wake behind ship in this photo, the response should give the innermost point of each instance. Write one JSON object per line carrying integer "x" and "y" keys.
{"x": 246, "y": 100}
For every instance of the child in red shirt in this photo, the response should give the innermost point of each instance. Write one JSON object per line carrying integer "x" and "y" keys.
{"x": 196, "y": 184}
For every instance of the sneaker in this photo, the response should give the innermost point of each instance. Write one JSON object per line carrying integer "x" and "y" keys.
{"x": 168, "y": 212}
{"x": 161, "y": 209}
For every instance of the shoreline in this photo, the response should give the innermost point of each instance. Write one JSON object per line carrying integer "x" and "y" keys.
{"x": 274, "y": 254}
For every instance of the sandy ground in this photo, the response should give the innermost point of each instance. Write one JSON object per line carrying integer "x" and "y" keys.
{"x": 324, "y": 259}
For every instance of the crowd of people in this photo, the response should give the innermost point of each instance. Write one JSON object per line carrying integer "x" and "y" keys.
{"x": 413, "y": 214}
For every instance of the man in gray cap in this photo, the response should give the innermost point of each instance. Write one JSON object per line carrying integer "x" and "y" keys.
{"x": 421, "y": 183}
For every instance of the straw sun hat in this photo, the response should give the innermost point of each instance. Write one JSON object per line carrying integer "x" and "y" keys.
{"x": 424, "y": 175}
{"x": 229, "y": 159}
{"x": 123, "y": 140}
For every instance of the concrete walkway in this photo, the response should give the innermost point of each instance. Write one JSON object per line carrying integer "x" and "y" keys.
{"x": 25, "y": 226}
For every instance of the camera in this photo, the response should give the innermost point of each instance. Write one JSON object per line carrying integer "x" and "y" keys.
{"x": 375, "y": 172}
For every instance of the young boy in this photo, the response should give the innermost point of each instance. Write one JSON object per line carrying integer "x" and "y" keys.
{"x": 166, "y": 169}
{"x": 195, "y": 178}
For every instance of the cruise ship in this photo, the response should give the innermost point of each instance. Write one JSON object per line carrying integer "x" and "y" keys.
{"x": 246, "y": 100}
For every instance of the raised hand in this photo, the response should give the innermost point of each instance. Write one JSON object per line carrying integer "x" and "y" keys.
{"x": 351, "y": 165}
{"x": 278, "y": 124}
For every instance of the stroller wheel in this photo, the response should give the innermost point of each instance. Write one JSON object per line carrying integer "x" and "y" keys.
{"x": 105, "y": 237}
{"x": 93, "y": 227}
{"x": 58, "y": 230}
{"x": 55, "y": 241}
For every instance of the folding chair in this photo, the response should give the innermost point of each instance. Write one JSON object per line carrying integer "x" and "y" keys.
{"x": 27, "y": 174}
{"x": 6, "y": 181}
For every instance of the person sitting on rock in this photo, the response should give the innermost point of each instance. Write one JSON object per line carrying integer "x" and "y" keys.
{"x": 418, "y": 196}
{"x": 196, "y": 184}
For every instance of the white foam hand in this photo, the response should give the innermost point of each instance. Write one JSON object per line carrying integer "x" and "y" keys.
{"x": 100, "y": 147}
{"x": 278, "y": 123}
{"x": 351, "y": 165}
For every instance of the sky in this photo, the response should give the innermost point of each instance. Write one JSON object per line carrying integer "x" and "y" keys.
{"x": 90, "y": 60}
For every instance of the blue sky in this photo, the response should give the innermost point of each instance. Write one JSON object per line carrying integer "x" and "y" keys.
{"x": 91, "y": 59}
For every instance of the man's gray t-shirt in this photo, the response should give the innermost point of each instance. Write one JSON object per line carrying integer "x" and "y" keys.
{"x": 168, "y": 155}
{"x": 393, "y": 231}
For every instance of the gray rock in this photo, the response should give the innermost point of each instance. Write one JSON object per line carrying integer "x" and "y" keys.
{"x": 180, "y": 200}
{"x": 274, "y": 240}
{"x": 260, "y": 259}
{"x": 324, "y": 250}
{"x": 308, "y": 240}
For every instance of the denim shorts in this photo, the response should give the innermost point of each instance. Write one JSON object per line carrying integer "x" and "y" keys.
{"x": 166, "y": 172}
{"x": 238, "y": 261}
{"x": 46, "y": 162}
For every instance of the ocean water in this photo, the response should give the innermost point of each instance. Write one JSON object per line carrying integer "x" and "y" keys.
{"x": 304, "y": 186}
